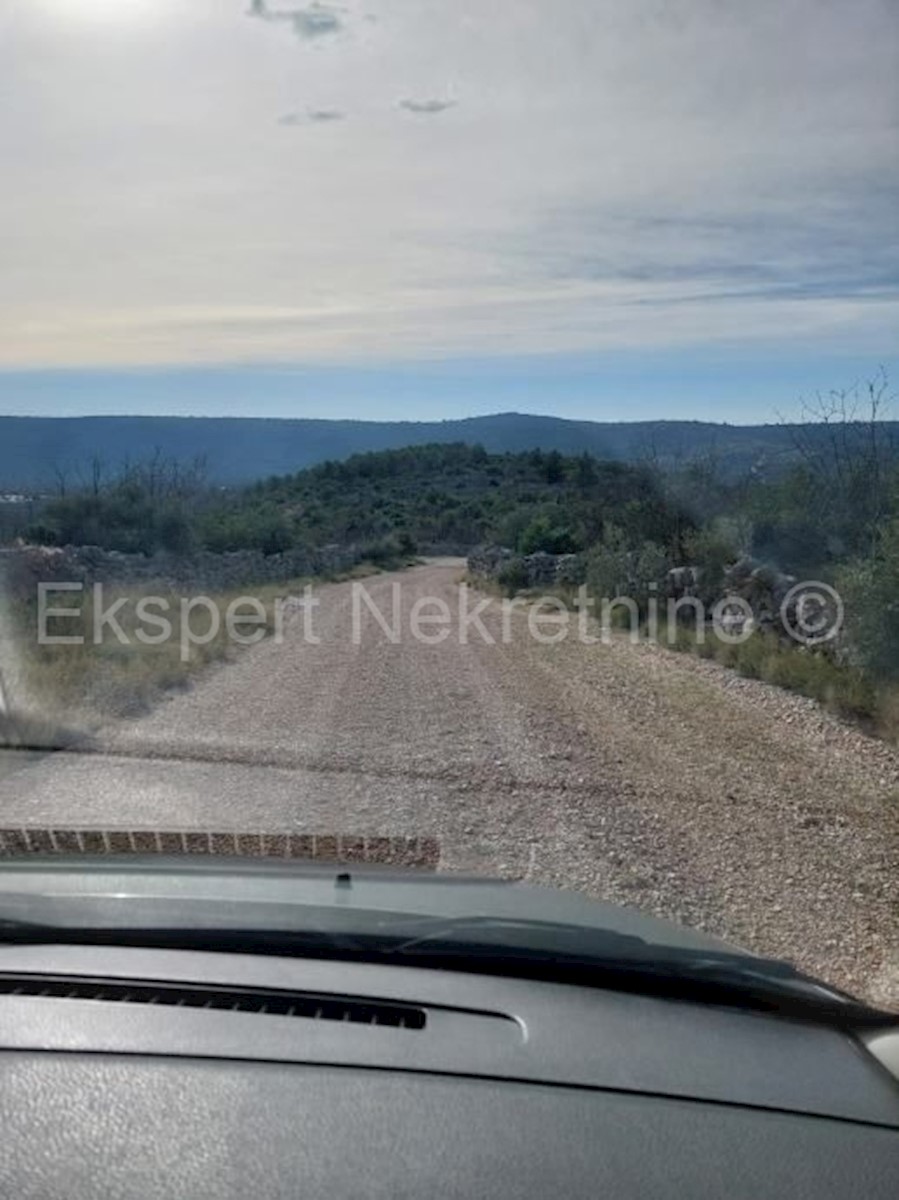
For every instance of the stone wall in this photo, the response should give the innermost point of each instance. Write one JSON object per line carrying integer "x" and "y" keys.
{"x": 529, "y": 570}
{"x": 754, "y": 595}
{"x": 24, "y": 567}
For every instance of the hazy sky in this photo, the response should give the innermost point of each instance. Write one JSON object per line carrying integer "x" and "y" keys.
{"x": 417, "y": 207}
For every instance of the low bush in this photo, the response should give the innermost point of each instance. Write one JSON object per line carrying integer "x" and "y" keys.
{"x": 841, "y": 687}
{"x": 513, "y": 577}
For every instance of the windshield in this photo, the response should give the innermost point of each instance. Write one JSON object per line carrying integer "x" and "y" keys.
{"x": 457, "y": 439}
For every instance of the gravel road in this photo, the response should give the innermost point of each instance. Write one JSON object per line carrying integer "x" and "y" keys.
{"x": 630, "y": 772}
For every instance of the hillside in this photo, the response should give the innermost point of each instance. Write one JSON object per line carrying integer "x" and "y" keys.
{"x": 455, "y": 496}
{"x": 35, "y": 452}
{"x": 391, "y": 502}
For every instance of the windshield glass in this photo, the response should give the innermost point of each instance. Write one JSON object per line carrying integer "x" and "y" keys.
{"x": 457, "y": 438}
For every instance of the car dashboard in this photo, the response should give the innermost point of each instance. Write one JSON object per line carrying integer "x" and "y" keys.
{"x": 135, "y": 1072}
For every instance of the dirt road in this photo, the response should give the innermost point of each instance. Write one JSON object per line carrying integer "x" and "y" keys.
{"x": 632, "y": 773}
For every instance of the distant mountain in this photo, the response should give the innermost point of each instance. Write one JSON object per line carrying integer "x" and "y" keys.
{"x": 35, "y": 452}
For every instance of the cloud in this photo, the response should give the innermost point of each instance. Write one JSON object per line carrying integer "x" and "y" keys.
{"x": 316, "y": 20}
{"x": 701, "y": 172}
{"x": 314, "y": 116}
{"x": 427, "y": 106}
{"x": 835, "y": 244}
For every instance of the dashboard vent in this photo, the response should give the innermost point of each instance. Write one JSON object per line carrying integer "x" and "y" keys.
{"x": 351, "y": 1010}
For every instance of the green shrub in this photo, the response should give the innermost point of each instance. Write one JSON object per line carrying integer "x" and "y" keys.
{"x": 513, "y": 577}
{"x": 711, "y": 552}
{"x": 541, "y": 534}
{"x": 616, "y": 567}
{"x": 383, "y": 552}
{"x": 870, "y": 592}
{"x": 750, "y": 655}
{"x": 41, "y": 533}
{"x": 842, "y": 688}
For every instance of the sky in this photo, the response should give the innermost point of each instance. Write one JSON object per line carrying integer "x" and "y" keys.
{"x": 615, "y": 209}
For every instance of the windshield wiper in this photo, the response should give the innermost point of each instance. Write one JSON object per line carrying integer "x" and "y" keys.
{"x": 311, "y": 943}
{"x": 627, "y": 963}
{"x": 598, "y": 958}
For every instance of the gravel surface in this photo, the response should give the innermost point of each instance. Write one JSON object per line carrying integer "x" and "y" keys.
{"x": 630, "y": 772}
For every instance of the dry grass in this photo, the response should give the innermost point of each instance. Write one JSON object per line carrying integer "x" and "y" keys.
{"x": 841, "y": 688}
{"x": 82, "y": 684}
{"x": 22, "y": 731}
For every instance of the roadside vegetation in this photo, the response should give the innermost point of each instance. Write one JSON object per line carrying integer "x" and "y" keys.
{"x": 828, "y": 510}
{"x": 843, "y": 688}
{"x": 831, "y": 514}
{"x": 77, "y": 683}
{"x": 389, "y": 504}
{"x": 74, "y": 685}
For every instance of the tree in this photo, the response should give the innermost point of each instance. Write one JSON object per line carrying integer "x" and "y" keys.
{"x": 847, "y": 459}
{"x": 554, "y": 467}
{"x": 541, "y": 534}
{"x": 585, "y": 472}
